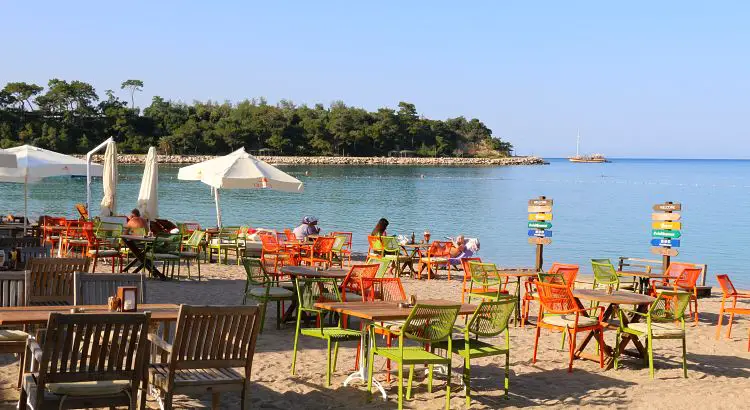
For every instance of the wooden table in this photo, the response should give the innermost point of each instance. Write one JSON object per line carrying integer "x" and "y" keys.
{"x": 379, "y": 311}
{"x": 308, "y": 272}
{"x": 517, "y": 274}
{"x": 644, "y": 278}
{"x": 133, "y": 242}
{"x": 414, "y": 252}
{"x": 641, "y": 302}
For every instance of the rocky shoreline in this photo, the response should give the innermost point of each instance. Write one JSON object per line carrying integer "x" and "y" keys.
{"x": 295, "y": 160}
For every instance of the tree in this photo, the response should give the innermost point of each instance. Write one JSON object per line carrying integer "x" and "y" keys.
{"x": 132, "y": 86}
{"x": 22, "y": 92}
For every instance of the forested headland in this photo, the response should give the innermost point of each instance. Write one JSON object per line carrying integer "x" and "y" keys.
{"x": 70, "y": 117}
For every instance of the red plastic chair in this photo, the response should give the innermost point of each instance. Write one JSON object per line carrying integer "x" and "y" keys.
{"x": 728, "y": 291}
{"x": 560, "y": 312}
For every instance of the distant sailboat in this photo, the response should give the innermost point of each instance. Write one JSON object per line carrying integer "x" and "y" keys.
{"x": 594, "y": 158}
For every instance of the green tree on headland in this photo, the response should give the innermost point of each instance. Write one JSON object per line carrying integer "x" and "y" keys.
{"x": 70, "y": 117}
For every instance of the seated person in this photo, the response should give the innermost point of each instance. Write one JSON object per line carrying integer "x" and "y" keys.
{"x": 380, "y": 228}
{"x": 135, "y": 220}
{"x": 309, "y": 226}
{"x": 463, "y": 248}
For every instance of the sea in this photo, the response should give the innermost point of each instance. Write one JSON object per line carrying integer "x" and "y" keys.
{"x": 599, "y": 210}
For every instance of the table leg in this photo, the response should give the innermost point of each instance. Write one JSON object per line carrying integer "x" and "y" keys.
{"x": 627, "y": 338}
{"x": 140, "y": 256}
{"x": 364, "y": 352}
{"x": 608, "y": 352}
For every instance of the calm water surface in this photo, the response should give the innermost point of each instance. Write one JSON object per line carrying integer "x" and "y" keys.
{"x": 601, "y": 210}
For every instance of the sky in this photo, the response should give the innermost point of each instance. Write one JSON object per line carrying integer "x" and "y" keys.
{"x": 650, "y": 79}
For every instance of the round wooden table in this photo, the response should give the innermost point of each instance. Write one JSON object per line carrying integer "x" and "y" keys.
{"x": 617, "y": 297}
{"x": 308, "y": 272}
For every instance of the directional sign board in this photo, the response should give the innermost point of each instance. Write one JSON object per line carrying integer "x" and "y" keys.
{"x": 658, "y": 250}
{"x": 667, "y": 225}
{"x": 540, "y": 241}
{"x": 540, "y": 217}
{"x": 663, "y": 233}
{"x": 540, "y": 202}
{"x": 667, "y": 207}
{"x": 666, "y": 216}
{"x": 539, "y": 225}
{"x": 540, "y": 233}
{"x": 540, "y": 208}
{"x": 671, "y": 243}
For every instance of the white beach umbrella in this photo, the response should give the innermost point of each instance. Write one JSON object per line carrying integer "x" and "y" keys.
{"x": 148, "y": 197}
{"x": 8, "y": 160}
{"x": 109, "y": 180}
{"x": 37, "y": 163}
{"x": 239, "y": 170}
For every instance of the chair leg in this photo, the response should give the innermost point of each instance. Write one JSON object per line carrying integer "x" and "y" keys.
{"x": 467, "y": 381}
{"x": 721, "y": 319}
{"x": 729, "y": 325}
{"x": 22, "y": 399}
{"x": 370, "y": 366}
{"x": 296, "y": 339}
{"x": 650, "y": 356}
{"x": 21, "y": 367}
{"x": 400, "y": 386}
{"x": 684, "y": 359}
{"x": 409, "y": 382}
{"x": 328, "y": 363}
{"x": 448, "y": 388}
{"x": 215, "y": 400}
{"x": 335, "y": 356}
{"x": 507, "y": 375}
{"x": 572, "y": 350}
{"x": 536, "y": 345}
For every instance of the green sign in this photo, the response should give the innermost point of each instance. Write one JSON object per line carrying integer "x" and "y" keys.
{"x": 665, "y": 233}
{"x": 539, "y": 225}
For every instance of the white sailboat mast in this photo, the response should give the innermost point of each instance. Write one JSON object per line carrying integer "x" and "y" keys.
{"x": 578, "y": 141}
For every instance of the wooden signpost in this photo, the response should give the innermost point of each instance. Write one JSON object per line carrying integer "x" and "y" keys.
{"x": 540, "y": 213}
{"x": 665, "y": 231}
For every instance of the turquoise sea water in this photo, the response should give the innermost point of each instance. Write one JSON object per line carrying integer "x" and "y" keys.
{"x": 600, "y": 210}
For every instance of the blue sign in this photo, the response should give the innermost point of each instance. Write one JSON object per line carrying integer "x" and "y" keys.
{"x": 540, "y": 233}
{"x": 672, "y": 243}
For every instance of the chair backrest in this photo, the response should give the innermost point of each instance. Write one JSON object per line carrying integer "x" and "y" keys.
{"x": 167, "y": 243}
{"x": 138, "y": 231}
{"x": 116, "y": 351}
{"x": 439, "y": 249}
{"x": 195, "y": 238}
{"x": 347, "y": 235}
{"x": 255, "y": 273}
{"x": 430, "y": 323}
{"x": 569, "y": 272}
{"x": 669, "y": 306}
{"x": 192, "y": 226}
{"x": 375, "y": 244}
{"x": 555, "y": 278}
{"x": 313, "y": 290}
{"x": 555, "y": 298}
{"x": 339, "y": 243}
{"x": 12, "y": 292}
{"x": 382, "y": 265}
{"x": 352, "y": 281}
{"x": 290, "y": 236}
{"x": 486, "y": 274}
{"x": 604, "y": 272}
{"x": 215, "y": 337}
{"x": 31, "y": 252}
{"x": 269, "y": 241}
{"x": 491, "y": 317}
{"x": 96, "y": 288}
{"x": 323, "y": 245}
{"x": 385, "y": 289}
{"x": 465, "y": 265}
{"x": 727, "y": 287}
{"x": 49, "y": 281}
{"x": 688, "y": 278}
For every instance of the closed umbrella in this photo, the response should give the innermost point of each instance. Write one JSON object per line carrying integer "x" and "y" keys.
{"x": 109, "y": 180}
{"x": 8, "y": 160}
{"x": 34, "y": 164}
{"x": 148, "y": 197}
{"x": 239, "y": 170}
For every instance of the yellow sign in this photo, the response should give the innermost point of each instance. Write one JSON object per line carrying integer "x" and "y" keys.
{"x": 667, "y": 225}
{"x": 540, "y": 217}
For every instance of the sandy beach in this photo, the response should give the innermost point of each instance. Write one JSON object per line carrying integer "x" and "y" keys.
{"x": 718, "y": 370}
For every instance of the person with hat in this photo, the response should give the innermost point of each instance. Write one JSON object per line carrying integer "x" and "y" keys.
{"x": 309, "y": 226}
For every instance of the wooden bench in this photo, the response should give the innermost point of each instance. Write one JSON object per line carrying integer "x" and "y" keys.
{"x": 628, "y": 263}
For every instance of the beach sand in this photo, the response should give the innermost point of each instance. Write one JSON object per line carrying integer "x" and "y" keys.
{"x": 718, "y": 370}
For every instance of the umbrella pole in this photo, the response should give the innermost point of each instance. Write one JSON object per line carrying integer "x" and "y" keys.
{"x": 25, "y": 203}
{"x": 218, "y": 209}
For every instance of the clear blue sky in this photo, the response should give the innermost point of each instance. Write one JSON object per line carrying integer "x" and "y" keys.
{"x": 640, "y": 78}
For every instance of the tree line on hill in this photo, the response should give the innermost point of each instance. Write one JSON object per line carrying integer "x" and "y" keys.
{"x": 70, "y": 117}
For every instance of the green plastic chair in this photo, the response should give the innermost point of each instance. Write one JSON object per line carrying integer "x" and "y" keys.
{"x": 428, "y": 325}
{"x": 191, "y": 250}
{"x": 337, "y": 257}
{"x": 223, "y": 242}
{"x": 387, "y": 248}
{"x": 486, "y": 282}
{"x": 165, "y": 249}
{"x": 309, "y": 292}
{"x": 665, "y": 319}
{"x": 605, "y": 273}
{"x": 383, "y": 265}
{"x": 261, "y": 287}
{"x": 489, "y": 320}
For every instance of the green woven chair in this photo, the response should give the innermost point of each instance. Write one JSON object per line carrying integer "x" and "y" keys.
{"x": 191, "y": 250}
{"x": 383, "y": 265}
{"x": 486, "y": 282}
{"x": 261, "y": 287}
{"x": 489, "y": 320}
{"x": 605, "y": 273}
{"x": 223, "y": 242}
{"x": 337, "y": 257}
{"x": 665, "y": 319}
{"x": 309, "y": 292}
{"x": 387, "y": 248}
{"x": 165, "y": 249}
{"x": 428, "y": 325}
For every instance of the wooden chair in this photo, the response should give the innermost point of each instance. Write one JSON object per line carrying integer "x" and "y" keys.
{"x": 96, "y": 288}
{"x": 49, "y": 281}
{"x": 729, "y": 292}
{"x": 30, "y": 252}
{"x": 437, "y": 255}
{"x": 200, "y": 364}
{"x": 12, "y": 294}
{"x": 83, "y": 372}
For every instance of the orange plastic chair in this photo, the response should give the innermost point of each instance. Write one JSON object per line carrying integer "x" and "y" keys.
{"x": 728, "y": 291}
{"x": 319, "y": 253}
{"x": 467, "y": 275}
{"x": 52, "y": 231}
{"x": 438, "y": 254}
{"x": 98, "y": 248}
{"x": 674, "y": 270}
{"x": 273, "y": 254}
{"x": 561, "y": 313}
{"x": 74, "y": 239}
{"x": 567, "y": 272}
{"x": 351, "y": 287}
{"x": 687, "y": 281}
{"x": 290, "y": 237}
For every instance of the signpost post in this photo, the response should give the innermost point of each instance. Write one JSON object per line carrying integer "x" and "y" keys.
{"x": 665, "y": 231}
{"x": 540, "y": 213}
